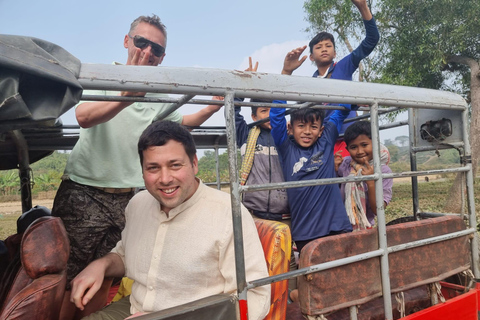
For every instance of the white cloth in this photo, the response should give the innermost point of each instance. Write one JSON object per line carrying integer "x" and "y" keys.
{"x": 188, "y": 255}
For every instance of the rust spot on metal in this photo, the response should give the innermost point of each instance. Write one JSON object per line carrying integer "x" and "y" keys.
{"x": 243, "y": 74}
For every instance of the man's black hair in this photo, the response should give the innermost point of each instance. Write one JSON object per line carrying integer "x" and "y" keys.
{"x": 160, "y": 133}
{"x": 321, "y": 37}
{"x": 307, "y": 115}
{"x": 356, "y": 129}
{"x": 254, "y": 109}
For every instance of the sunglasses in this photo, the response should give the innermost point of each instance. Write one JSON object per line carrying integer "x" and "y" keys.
{"x": 142, "y": 43}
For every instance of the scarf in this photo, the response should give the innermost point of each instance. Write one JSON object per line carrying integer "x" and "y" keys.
{"x": 247, "y": 161}
{"x": 355, "y": 199}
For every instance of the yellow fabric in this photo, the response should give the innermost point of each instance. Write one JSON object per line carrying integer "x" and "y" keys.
{"x": 247, "y": 161}
{"x": 277, "y": 245}
{"x": 124, "y": 290}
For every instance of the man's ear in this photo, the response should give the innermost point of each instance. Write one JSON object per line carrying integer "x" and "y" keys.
{"x": 125, "y": 41}
{"x": 195, "y": 163}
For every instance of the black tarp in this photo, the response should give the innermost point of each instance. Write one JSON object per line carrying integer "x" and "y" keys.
{"x": 38, "y": 83}
{"x": 38, "y": 80}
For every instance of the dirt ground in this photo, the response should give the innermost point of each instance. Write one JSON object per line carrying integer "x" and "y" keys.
{"x": 10, "y": 206}
{"x": 15, "y": 207}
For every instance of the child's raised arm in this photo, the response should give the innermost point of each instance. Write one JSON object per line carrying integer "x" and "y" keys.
{"x": 278, "y": 123}
{"x": 338, "y": 116}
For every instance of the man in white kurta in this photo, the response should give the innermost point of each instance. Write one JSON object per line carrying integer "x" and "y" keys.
{"x": 177, "y": 244}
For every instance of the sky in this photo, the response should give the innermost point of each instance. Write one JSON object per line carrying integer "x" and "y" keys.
{"x": 207, "y": 34}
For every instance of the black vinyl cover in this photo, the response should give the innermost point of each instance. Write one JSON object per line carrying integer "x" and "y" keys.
{"x": 38, "y": 80}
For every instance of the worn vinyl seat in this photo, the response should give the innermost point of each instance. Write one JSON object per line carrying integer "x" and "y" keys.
{"x": 38, "y": 288}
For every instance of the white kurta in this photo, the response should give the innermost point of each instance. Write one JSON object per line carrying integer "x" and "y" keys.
{"x": 190, "y": 254}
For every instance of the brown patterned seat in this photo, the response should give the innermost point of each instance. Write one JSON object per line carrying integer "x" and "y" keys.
{"x": 39, "y": 285}
{"x": 360, "y": 282}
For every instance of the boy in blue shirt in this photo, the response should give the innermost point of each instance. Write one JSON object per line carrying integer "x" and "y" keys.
{"x": 317, "y": 211}
{"x": 322, "y": 52}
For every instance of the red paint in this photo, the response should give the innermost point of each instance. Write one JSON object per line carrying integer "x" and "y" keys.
{"x": 242, "y": 304}
{"x": 463, "y": 307}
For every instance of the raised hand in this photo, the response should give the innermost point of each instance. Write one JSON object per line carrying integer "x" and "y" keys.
{"x": 362, "y": 6}
{"x": 338, "y": 159}
{"x": 250, "y": 68}
{"x": 293, "y": 61}
{"x": 137, "y": 60}
{"x": 367, "y": 168}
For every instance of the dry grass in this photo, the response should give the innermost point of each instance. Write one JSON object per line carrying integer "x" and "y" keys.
{"x": 432, "y": 197}
{"x": 8, "y": 225}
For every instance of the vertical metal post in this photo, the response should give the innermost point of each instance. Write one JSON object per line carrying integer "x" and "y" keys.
{"x": 412, "y": 128}
{"x": 24, "y": 169}
{"x": 353, "y": 312}
{"x": 433, "y": 294}
{"x": 470, "y": 197}
{"x": 217, "y": 169}
{"x": 382, "y": 229}
{"x": 236, "y": 205}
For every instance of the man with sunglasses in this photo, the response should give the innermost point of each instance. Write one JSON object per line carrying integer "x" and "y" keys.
{"x": 102, "y": 171}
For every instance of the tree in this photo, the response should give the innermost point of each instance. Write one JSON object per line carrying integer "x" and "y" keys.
{"x": 402, "y": 140}
{"x": 207, "y": 166}
{"x": 434, "y": 44}
{"x": 394, "y": 152}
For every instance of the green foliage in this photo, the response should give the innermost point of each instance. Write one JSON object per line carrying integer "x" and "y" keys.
{"x": 207, "y": 166}
{"x": 54, "y": 162}
{"x": 394, "y": 152}
{"x": 47, "y": 174}
{"x": 9, "y": 182}
{"x": 422, "y": 36}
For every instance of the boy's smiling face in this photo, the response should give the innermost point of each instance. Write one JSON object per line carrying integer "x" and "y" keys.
{"x": 307, "y": 133}
{"x": 361, "y": 149}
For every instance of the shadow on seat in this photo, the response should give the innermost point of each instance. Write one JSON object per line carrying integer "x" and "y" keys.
{"x": 277, "y": 245}
{"x": 39, "y": 285}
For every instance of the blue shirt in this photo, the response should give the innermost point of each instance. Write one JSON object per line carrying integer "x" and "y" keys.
{"x": 344, "y": 69}
{"x": 317, "y": 210}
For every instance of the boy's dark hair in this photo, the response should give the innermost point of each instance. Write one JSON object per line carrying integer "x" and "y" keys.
{"x": 307, "y": 115}
{"x": 160, "y": 133}
{"x": 321, "y": 37}
{"x": 254, "y": 109}
{"x": 356, "y": 129}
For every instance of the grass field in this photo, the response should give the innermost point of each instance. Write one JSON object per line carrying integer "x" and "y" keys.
{"x": 432, "y": 198}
